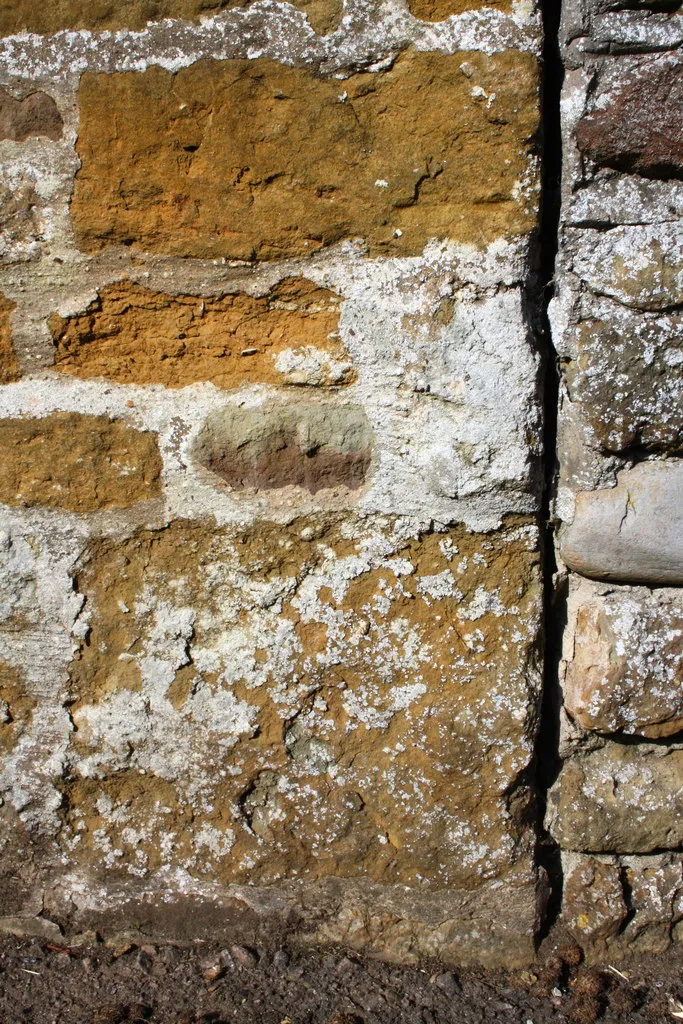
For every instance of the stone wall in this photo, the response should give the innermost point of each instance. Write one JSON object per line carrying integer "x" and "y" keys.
{"x": 273, "y": 485}
{"x": 615, "y": 807}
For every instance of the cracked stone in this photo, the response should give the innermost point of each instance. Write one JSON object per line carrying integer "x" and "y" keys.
{"x": 632, "y": 532}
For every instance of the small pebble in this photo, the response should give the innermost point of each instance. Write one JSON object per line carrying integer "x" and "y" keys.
{"x": 448, "y": 983}
{"x": 280, "y": 960}
{"x": 243, "y": 957}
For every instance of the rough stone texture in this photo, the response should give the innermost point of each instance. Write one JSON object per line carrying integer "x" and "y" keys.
{"x": 78, "y": 463}
{"x": 285, "y": 695}
{"x": 636, "y": 126}
{"x": 437, "y": 10}
{"x": 307, "y": 446}
{"x": 626, "y": 379}
{"x": 9, "y": 365}
{"x": 619, "y": 906}
{"x": 100, "y": 15}
{"x": 626, "y": 670}
{"x": 290, "y": 685}
{"x": 133, "y": 335}
{"x": 632, "y": 532}
{"x": 639, "y": 266}
{"x": 301, "y": 162}
{"x": 33, "y": 114}
{"x": 619, "y": 798}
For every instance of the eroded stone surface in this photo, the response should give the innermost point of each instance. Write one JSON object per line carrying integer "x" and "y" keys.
{"x": 623, "y": 905}
{"x": 632, "y": 532}
{"x": 639, "y": 266}
{"x": 294, "y": 445}
{"x": 636, "y": 126}
{"x": 626, "y": 378}
{"x": 99, "y": 15}
{"x": 297, "y": 162}
{"x": 273, "y": 702}
{"x": 77, "y": 462}
{"x": 9, "y": 365}
{"x": 134, "y": 335}
{"x": 626, "y": 672}
{"x": 619, "y": 798}
{"x": 33, "y": 114}
{"x": 437, "y": 10}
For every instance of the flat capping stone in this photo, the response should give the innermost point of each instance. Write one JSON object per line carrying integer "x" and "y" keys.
{"x": 302, "y": 445}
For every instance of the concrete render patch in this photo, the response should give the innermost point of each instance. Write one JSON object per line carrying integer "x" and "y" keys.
{"x": 486, "y": 926}
{"x": 462, "y": 382}
{"x": 268, "y": 29}
{"x": 632, "y": 532}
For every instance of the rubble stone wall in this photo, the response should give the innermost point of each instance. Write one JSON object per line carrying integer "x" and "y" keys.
{"x": 273, "y": 487}
{"x": 616, "y": 806}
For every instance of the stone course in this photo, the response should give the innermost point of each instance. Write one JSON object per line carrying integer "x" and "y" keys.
{"x": 614, "y": 809}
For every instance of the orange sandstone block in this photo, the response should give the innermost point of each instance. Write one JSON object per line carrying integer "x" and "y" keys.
{"x": 77, "y": 462}
{"x": 252, "y": 160}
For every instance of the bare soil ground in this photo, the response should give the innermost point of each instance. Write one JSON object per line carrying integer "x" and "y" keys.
{"x": 46, "y": 983}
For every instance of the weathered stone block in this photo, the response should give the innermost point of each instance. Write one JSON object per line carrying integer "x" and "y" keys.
{"x": 636, "y": 125}
{"x": 640, "y": 266}
{"x": 33, "y": 114}
{"x": 9, "y": 365}
{"x": 133, "y": 335}
{"x": 626, "y": 672}
{"x": 632, "y": 532}
{"x": 437, "y": 10}
{"x": 619, "y": 798}
{"x": 626, "y": 379}
{"x": 619, "y": 906}
{"x": 99, "y": 15}
{"x": 77, "y": 462}
{"x": 293, "y": 445}
{"x": 273, "y": 702}
{"x": 593, "y": 898}
{"x": 249, "y": 159}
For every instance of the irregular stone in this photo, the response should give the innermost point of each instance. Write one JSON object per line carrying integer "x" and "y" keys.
{"x": 632, "y": 532}
{"x": 619, "y": 798}
{"x": 16, "y": 703}
{"x": 9, "y": 364}
{"x": 20, "y": 228}
{"x": 636, "y": 126}
{"x": 307, "y": 700}
{"x": 625, "y": 200}
{"x": 249, "y": 159}
{"x": 77, "y": 462}
{"x": 133, "y": 335}
{"x": 294, "y": 445}
{"x": 626, "y": 379}
{"x": 593, "y": 904}
{"x": 99, "y": 15}
{"x": 34, "y": 114}
{"x": 622, "y": 905}
{"x": 639, "y": 266}
{"x": 438, "y": 10}
{"x": 626, "y": 670}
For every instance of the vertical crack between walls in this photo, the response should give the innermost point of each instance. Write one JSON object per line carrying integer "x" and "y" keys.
{"x": 554, "y": 613}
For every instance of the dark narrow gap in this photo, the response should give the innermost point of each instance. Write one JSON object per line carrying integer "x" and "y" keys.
{"x": 547, "y": 757}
